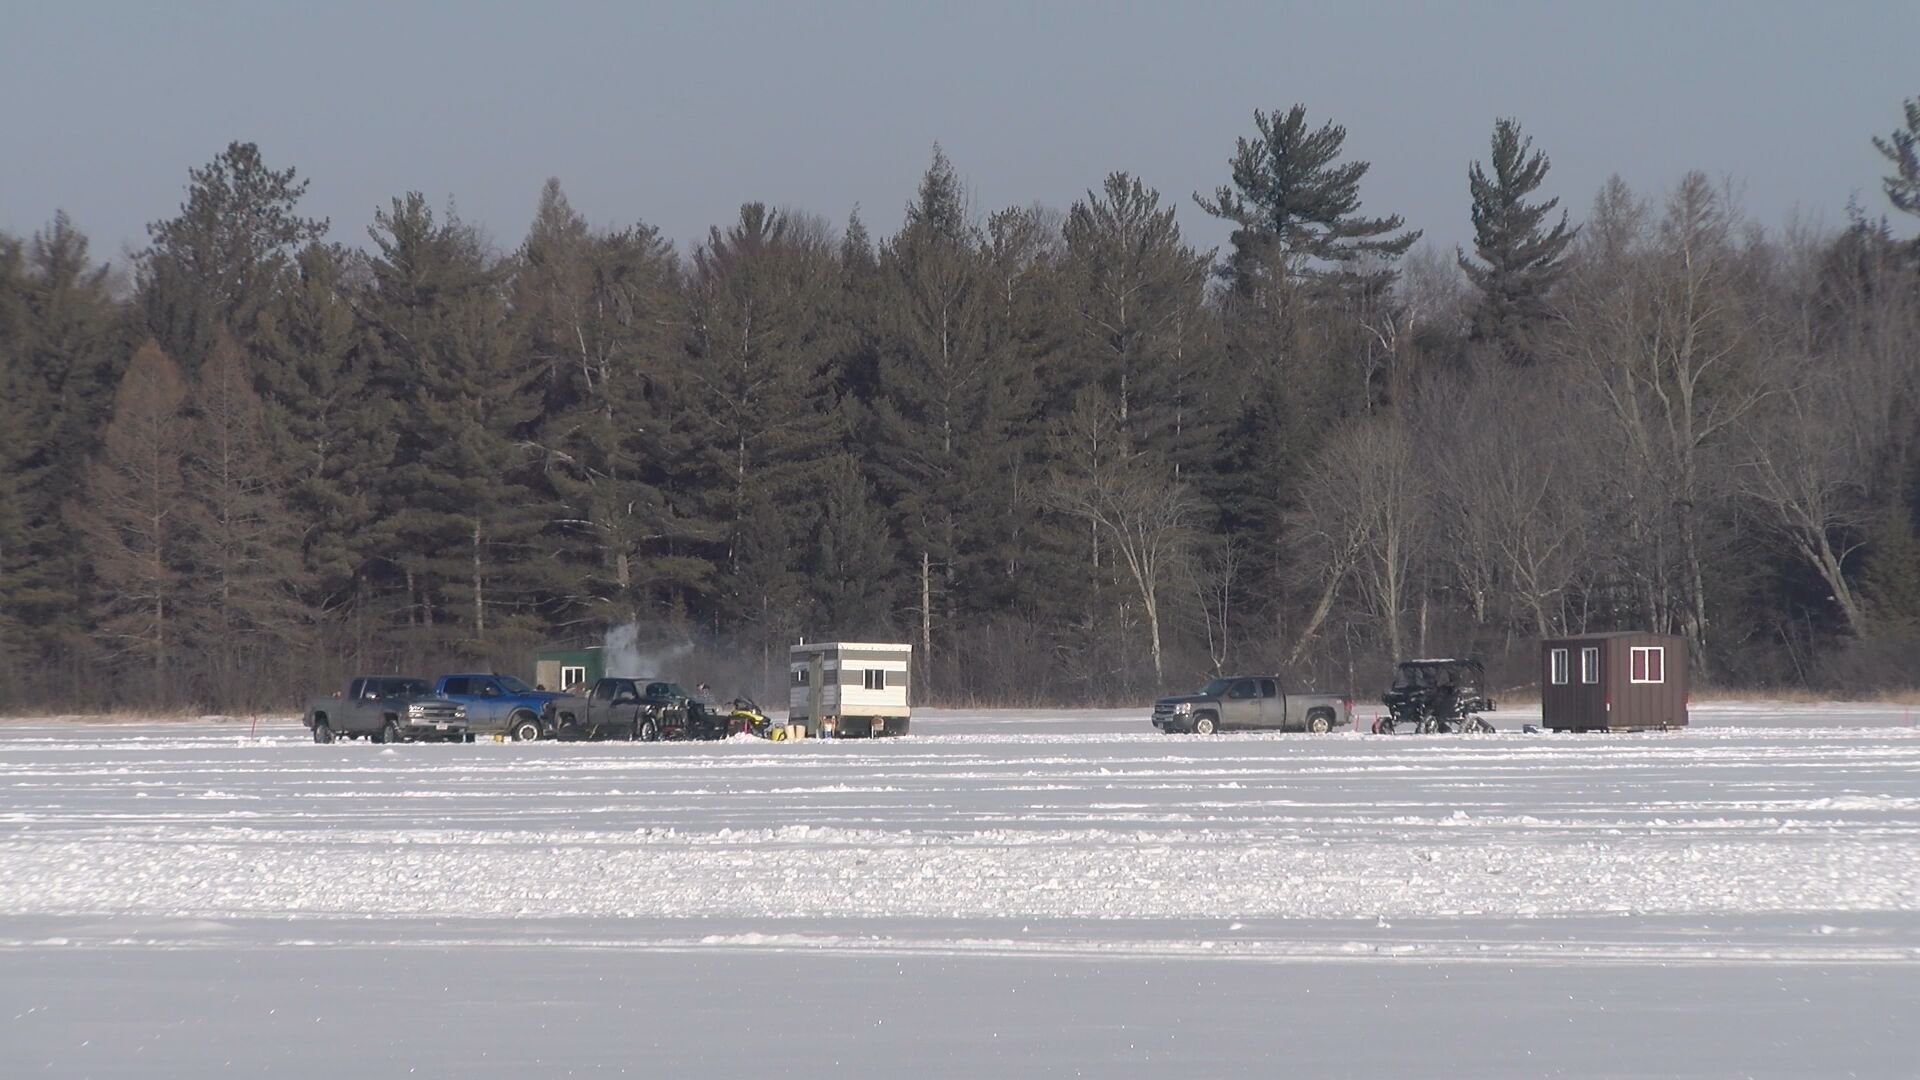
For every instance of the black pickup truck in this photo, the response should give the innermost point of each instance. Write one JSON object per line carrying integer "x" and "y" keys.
{"x": 387, "y": 708}
{"x": 653, "y": 709}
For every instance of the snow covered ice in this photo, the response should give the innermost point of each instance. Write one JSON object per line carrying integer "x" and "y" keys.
{"x": 1004, "y": 893}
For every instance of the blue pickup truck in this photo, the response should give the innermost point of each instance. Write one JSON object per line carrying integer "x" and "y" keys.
{"x": 503, "y": 705}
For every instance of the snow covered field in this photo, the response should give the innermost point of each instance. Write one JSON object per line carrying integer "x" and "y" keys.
{"x": 1063, "y": 893}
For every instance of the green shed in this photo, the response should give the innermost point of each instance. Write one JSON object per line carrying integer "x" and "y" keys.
{"x": 568, "y": 669}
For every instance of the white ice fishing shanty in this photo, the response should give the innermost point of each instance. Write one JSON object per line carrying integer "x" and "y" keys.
{"x": 850, "y": 688}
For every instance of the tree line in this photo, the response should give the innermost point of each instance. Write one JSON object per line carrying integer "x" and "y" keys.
{"x": 1068, "y": 455}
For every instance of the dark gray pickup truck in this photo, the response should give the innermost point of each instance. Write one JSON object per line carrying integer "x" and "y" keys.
{"x": 1251, "y": 703}
{"x": 387, "y": 708}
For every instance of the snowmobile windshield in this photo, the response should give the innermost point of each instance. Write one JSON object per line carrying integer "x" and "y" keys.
{"x": 1215, "y": 688}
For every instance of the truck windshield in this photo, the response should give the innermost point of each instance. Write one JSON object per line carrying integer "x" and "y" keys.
{"x": 514, "y": 686}
{"x": 1215, "y": 688}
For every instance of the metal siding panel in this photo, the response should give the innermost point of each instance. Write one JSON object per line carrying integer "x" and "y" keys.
{"x": 900, "y": 656}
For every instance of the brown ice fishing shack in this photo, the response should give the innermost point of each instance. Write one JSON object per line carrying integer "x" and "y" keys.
{"x": 1613, "y": 682}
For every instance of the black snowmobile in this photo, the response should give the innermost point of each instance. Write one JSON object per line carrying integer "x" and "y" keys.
{"x": 1436, "y": 696}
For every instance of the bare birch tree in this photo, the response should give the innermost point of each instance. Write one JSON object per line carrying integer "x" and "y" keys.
{"x": 1365, "y": 510}
{"x": 1144, "y": 513}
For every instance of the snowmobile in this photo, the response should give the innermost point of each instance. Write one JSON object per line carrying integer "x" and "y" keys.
{"x": 1436, "y": 696}
{"x": 746, "y": 718}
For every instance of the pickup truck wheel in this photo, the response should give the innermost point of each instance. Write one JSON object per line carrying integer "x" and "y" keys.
{"x": 1204, "y": 724}
{"x": 322, "y": 733}
{"x": 390, "y": 732}
{"x": 469, "y": 737}
{"x": 1319, "y": 723}
{"x": 647, "y": 730}
{"x": 526, "y": 728}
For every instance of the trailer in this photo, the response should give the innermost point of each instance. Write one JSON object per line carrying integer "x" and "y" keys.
{"x": 850, "y": 689}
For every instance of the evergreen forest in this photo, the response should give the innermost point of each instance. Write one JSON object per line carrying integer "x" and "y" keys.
{"x": 1070, "y": 456}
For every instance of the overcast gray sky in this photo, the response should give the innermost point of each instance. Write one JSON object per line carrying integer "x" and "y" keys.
{"x": 675, "y": 114}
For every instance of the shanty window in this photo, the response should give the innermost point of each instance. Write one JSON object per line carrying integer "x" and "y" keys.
{"x": 876, "y": 679}
{"x": 1647, "y": 664}
{"x": 1589, "y": 666}
{"x": 1559, "y": 659}
{"x": 799, "y": 676}
{"x": 572, "y": 676}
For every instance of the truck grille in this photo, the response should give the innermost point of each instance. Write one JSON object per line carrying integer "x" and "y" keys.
{"x": 436, "y": 711}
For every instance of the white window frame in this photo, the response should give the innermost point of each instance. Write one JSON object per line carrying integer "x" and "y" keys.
{"x": 1648, "y": 651}
{"x": 1557, "y": 667}
{"x": 1589, "y": 666}
{"x": 876, "y": 679}
{"x": 572, "y": 674}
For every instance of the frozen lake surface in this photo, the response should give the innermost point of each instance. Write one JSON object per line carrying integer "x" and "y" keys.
{"x": 1002, "y": 894}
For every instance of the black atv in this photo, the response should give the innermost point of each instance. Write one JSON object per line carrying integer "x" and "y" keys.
{"x": 1436, "y": 696}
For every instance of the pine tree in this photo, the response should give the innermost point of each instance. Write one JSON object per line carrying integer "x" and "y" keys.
{"x": 217, "y": 262}
{"x": 15, "y": 564}
{"x": 130, "y": 518}
{"x": 458, "y": 517}
{"x": 850, "y": 560}
{"x": 600, "y": 313}
{"x": 331, "y": 437}
{"x": 245, "y": 543}
{"x": 1137, "y": 297}
{"x": 1519, "y": 259}
{"x": 1901, "y": 148}
{"x": 1303, "y": 319}
{"x": 63, "y": 338}
{"x": 764, "y": 339}
{"x": 943, "y": 411}
{"x": 1296, "y": 209}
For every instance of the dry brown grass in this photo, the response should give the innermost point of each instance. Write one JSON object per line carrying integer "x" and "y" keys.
{"x": 1790, "y": 696}
{"x": 138, "y": 716}
{"x": 1781, "y": 694}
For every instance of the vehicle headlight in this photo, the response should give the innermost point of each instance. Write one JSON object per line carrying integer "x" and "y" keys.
{"x": 416, "y": 709}
{"x": 1183, "y": 706}
{"x": 459, "y": 712}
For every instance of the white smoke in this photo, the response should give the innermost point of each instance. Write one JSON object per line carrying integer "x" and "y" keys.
{"x": 622, "y": 656}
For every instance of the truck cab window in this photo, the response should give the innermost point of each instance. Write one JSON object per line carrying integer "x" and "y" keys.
{"x": 1268, "y": 689}
{"x": 1243, "y": 689}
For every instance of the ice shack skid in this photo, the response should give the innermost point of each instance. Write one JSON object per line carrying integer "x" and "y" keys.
{"x": 850, "y": 688}
{"x": 1613, "y": 682}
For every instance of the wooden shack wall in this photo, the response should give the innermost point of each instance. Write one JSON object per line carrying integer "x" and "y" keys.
{"x": 1574, "y": 704}
{"x": 1648, "y": 705}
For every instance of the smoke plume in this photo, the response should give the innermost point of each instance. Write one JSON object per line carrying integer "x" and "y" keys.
{"x": 623, "y": 657}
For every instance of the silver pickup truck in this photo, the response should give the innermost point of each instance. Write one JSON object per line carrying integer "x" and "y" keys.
{"x": 387, "y": 708}
{"x": 1251, "y": 703}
